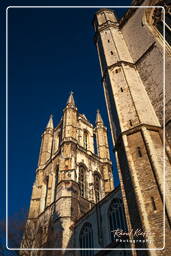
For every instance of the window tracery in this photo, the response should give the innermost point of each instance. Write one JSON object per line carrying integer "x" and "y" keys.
{"x": 97, "y": 186}
{"x": 56, "y": 179}
{"x": 82, "y": 172}
{"x": 116, "y": 216}
{"x": 47, "y": 186}
{"x": 86, "y": 239}
{"x": 85, "y": 139}
{"x": 160, "y": 23}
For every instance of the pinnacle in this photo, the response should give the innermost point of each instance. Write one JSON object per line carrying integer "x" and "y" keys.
{"x": 50, "y": 123}
{"x": 99, "y": 119}
{"x": 71, "y": 99}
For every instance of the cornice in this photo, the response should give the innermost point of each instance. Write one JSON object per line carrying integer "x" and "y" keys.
{"x": 104, "y": 26}
{"x": 135, "y": 130}
{"x": 118, "y": 64}
{"x": 94, "y": 156}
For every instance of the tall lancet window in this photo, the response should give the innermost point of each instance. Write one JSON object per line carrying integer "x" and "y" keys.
{"x": 59, "y": 138}
{"x": 56, "y": 180}
{"x": 97, "y": 186}
{"x": 86, "y": 239}
{"x": 95, "y": 144}
{"x": 116, "y": 216}
{"x": 82, "y": 173}
{"x": 57, "y": 175}
{"x": 85, "y": 139}
{"x": 46, "y": 195}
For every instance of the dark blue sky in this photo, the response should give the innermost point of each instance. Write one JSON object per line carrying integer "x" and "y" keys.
{"x": 51, "y": 52}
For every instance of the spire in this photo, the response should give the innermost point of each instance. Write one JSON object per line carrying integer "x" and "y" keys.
{"x": 99, "y": 119}
{"x": 71, "y": 99}
{"x": 50, "y": 123}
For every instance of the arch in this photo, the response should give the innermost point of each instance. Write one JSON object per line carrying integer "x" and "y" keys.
{"x": 39, "y": 235}
{"x": 96, "y": 172}
{"x": 116, "y": 216}
{"x": 153, "y": 19}
{"x": 82, "y": 179}
{"x": 56, "y": 179}
{"x": 57, "y": 175}
{"x": 86, "y": 239}
{"x": 97, "y": 178}
{"x": 46, "y": 194}
{"x": 95, "y": 144}
{"x": 85, "y": 139}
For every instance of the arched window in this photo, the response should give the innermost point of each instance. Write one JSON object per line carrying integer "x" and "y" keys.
{"x": 155, "y": 21}
{"x": 95, "y": 144}
{"x": 57, "y": 175}
{"x": 46, "y": 195}
{"x": 97, "y": 186}
{"x": 39, "y": 236}
{"x": 86, "y": 239}
{"x": 117, "y": 216}
{"x": 82, "y": 172}
{"x": 139, "y": 151}
{"x": 85, "y": 139}
{"x": 160, "y": 23}
{"x": 56, "y": 179}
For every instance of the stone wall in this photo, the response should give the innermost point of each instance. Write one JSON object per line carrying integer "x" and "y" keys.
{"x": 148, "y": 57}
{"x": 100, "y": 229}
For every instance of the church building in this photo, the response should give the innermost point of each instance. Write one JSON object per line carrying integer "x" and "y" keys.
{"x": 74, "y": 203}
{"x": 74, "y": 175}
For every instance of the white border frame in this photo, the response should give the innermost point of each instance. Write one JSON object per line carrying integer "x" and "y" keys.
{"x": 164, "y": 167}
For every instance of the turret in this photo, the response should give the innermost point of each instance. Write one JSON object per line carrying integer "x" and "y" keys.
{"x": 70, "y": 120}
{"x": 103, "y": 152}
{"x": 103, "y": 17}
{"x": 46, "y": 145}
{"x": 101, "y": 137}
{"x": 68, "y": 186}
{"x": 71, "y": 101}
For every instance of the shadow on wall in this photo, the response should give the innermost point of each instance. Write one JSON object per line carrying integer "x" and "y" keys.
{"x": 49, "y": 234}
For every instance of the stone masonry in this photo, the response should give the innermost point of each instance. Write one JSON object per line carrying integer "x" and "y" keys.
{"x": 137, "y": 135}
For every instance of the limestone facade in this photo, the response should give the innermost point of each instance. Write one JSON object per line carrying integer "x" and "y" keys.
{"x": 74, "y": 203}
{"x": 134, "y": 103}
{"x": 99, "y": 218}
{"x": 72, "y": 176}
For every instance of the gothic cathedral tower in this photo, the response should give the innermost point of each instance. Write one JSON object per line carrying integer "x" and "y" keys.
{"x": 137, "y": 136}
{"x": 72, "y": 176}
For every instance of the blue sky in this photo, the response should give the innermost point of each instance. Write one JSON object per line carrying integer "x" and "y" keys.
{"x": 51, "y": 52}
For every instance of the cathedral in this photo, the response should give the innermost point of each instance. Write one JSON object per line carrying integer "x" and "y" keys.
{"x": 75, "y": 207}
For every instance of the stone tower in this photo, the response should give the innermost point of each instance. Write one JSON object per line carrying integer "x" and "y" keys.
{"x": 72, "y": 176}
{"x": 137, "y": 136}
